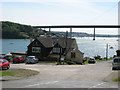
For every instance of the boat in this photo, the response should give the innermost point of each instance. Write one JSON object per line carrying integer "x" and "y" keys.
{"x": 111, "y": 47}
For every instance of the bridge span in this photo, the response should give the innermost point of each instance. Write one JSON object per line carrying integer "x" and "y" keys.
{"x": 78, "y": 26}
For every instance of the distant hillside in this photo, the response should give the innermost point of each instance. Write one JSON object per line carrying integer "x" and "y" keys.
{"x": 82, "y": 34}
{"x": 11, "y": 30}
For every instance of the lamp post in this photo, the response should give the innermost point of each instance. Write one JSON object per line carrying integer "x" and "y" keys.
{"x": 107, "y": 49}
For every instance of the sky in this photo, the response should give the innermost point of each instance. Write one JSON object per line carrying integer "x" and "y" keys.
{"x": 62, "y": 12}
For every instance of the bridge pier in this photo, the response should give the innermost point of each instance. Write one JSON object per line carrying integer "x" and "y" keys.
{"x": 94, "y": 34}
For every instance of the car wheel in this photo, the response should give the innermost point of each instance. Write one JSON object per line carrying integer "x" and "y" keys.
{"x": 113, "y": 68}
{"x": 8, "y": 66}
{"x": 14, "y": 62}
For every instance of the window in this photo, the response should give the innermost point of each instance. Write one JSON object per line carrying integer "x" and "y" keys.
{"x": 36, "y": 49}
{"x": 36, "y": 43}
{"x": 56, "y": 50}
{"x": 73, "y": 54}
{"x": 116, "y": 60}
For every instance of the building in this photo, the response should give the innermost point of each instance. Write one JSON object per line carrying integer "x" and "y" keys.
{"x": 75, "y": 55}
{"x": 44, "y": 47}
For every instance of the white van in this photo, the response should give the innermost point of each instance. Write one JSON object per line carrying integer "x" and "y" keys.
{"x": 116, "y": 63}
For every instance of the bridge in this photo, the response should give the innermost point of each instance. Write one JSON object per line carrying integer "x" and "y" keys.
{"x": 79, "y": 26}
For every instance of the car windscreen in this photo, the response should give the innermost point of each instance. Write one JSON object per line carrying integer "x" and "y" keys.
{"x": 117, "y": 60}
{"x": 0, "y": 61}
{"x": 30, "y": 57}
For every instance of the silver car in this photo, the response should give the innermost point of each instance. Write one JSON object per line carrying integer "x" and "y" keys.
{"x": 116, "y": 63}
{"x": 91, "y": 60}
{"x": 31, "y": 59}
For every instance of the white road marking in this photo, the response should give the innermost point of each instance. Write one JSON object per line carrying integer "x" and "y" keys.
{"x": 41, "y": 83}
{"x": 98, "y": 85}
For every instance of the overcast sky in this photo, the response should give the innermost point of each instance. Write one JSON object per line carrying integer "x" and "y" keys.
{"x": 62, "y": 12}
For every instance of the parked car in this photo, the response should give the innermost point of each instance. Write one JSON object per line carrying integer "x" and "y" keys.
{"x": 116, "y": 63}
{"x": 91, "y": 60}
{"x": 2, "y": 56}
{"x": 18, "y": 59}
{"x": 8, "y": 57}
{"x": 31, "y": 59}
{"x": 4, "y": 64}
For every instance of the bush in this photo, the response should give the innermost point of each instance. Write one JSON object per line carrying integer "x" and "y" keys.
{"x": 98, "y": 57}
{"x": 70, "y": 62}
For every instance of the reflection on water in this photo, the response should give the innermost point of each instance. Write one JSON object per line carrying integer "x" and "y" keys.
{"x": 91, "y": 48}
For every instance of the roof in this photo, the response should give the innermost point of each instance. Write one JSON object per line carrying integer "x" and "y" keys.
{"x": 52, "y": 41}
{"x": 46, "y": 41}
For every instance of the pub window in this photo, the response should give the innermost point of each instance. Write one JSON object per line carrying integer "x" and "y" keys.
{"x": 73, "y": 54}
{"x": 36, "y": 49}
{"x": 56, "y": 50}
{"x": 36, "y": 43}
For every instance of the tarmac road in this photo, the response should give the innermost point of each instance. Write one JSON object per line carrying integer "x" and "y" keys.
{"x": 65, "y": 76}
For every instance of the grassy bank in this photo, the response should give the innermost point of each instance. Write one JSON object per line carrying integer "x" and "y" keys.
{"x": 116, "y": 79}
{"x": 18, "y": 72}
{"x": 6, "y": 73}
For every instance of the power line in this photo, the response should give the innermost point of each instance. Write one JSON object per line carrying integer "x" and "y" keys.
{"x": 103, "y": 13}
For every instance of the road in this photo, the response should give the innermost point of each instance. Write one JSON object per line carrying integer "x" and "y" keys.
{"x": 65, "y": 76}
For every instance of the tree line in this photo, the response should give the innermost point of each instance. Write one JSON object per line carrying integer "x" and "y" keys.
{"x": 12, "y": 30}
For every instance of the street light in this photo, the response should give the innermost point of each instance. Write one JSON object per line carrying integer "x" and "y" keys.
{"x": 107, "y": 47}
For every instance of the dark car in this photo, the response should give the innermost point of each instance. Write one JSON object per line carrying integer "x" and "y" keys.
{"x": 116, "y": 63}
{"x": 18, "y": 59}
{"x": 91, "y": 60}
{"x": 2, "y": 56}
{"x": 4, "y": 64}
{"x": 8, "y": 57}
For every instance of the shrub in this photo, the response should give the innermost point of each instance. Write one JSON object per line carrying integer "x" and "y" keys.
{"x": 98, "y": 57}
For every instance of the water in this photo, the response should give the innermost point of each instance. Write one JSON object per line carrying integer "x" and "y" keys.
{"x": 89, "y": 47}
{"x": 14, "y": 45}
{"x": 92, "y": 48}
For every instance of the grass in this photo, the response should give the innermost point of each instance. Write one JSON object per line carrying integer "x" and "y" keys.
{"x": 116, "y": 79}
{"x": 6, "y": 73}
{"x": 98, "y": 60}
{"x": 86, "y": 62}
{"x": 18, "y": 72}
{"x": 103, "y": 59}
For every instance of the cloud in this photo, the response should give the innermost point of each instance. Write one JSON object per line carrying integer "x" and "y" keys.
{"x": 61, "y": 12}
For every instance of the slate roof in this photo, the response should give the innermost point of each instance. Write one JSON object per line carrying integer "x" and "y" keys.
{"x": 46, "y": 41}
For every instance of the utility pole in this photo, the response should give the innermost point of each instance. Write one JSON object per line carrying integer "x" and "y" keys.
{"x": 106, "y": 51}
{"x": 66, "y": 42}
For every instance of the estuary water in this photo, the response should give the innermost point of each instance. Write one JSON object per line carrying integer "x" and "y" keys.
{"x": 89, "y": 47}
